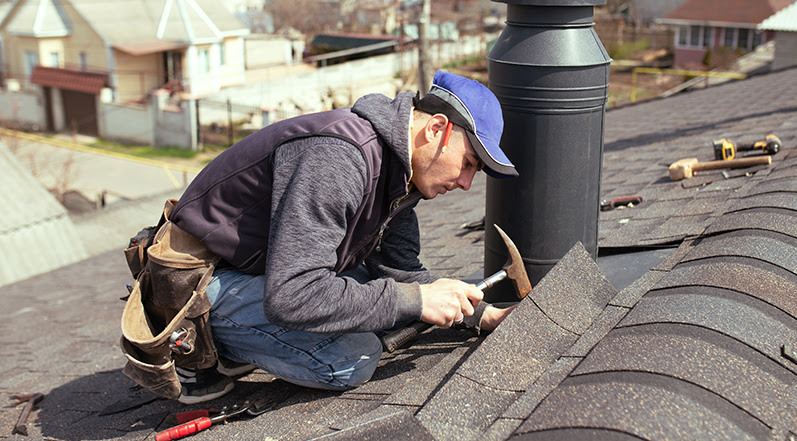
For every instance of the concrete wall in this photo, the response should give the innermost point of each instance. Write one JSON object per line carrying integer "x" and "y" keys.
{"x": 155, "y": 123}
{"x": 785, "y": 50}
{"x": 266, "y": 50}
{"x": 130, "y": 124}
{"x": 57, "y": 108}
{"x": 340, "y": 84}
{"x": 174, "y": 126}
{"x": 25, "y": 107}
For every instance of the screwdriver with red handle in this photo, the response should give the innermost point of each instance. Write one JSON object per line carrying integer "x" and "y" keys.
{"x": 188, "y": 428}
{"x": 198, "y": 420}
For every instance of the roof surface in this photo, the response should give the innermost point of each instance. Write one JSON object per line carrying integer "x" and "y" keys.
{"x": 728, "y": 11}
{"x": 69, "y": 79}
{"x": 701, "y": 346}
{"x": 39, "y": 19}
{"x": 33, "y": 220}
{"x": 783, "y": 20}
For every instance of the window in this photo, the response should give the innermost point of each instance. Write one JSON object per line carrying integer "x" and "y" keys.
{"x": 730, "y": 37}
{"x": 694, "y": 36}
{"x": 84, "y": 61}
{"x": 223, "y": 53}
{"x": 683, "y": 35}
{"x": 204, "y": 61}
{"x": 757, "y": 38}
{"x": 707, "y": 36}
{"x": 54, "y": 59}
{"x": 743, "y": 36}
{"x": 31, "y": 60}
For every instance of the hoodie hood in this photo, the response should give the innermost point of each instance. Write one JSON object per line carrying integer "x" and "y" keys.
{"x": 391, "y": 121}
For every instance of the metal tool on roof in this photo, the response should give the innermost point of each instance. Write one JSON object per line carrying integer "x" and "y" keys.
{"x": 626, "y": 201}
{"x": 198, "y": 420}
{"x": 30, "y": 401}
{"x": 514, "y": 269}
{"x": 686, "y": 168}
{"x": 726, "y": 149}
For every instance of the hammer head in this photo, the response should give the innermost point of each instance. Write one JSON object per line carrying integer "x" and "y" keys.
{"x": 514, "y": 267}
{"x": 682, "y": 169}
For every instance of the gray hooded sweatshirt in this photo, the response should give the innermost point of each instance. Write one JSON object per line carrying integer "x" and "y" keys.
{"x": 316, "y": 193}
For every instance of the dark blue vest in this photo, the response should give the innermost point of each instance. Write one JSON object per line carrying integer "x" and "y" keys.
{"x": 228, "y": 205}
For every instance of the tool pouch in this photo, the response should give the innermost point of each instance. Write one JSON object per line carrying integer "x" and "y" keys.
{"x": 165, "y": 321}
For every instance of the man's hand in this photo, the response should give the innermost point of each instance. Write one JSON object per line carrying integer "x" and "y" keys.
{"x": 448, "y": 301}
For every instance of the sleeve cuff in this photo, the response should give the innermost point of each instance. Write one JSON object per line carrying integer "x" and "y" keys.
{"x": 409, "y": 304}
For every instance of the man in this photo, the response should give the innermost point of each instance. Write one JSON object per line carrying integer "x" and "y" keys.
{"x": 313, "y": 219}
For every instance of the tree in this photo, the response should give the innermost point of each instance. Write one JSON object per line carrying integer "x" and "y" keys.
{"x": 307, "y": 16}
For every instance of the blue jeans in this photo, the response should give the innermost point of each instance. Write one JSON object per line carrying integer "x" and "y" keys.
{"x": 243, "y": 334}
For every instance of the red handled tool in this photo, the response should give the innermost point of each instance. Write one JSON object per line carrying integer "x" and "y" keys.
{"x": 197, "y": 420}
{"x": 620, "y": 202}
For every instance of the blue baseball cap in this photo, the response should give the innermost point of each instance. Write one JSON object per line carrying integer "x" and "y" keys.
{"x": 472, "y": 106}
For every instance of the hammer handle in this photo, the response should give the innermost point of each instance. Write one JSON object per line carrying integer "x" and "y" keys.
{"x": 733, "y": 163}
{"x": 397, "y": 339}
{"x": 492, "y": 280}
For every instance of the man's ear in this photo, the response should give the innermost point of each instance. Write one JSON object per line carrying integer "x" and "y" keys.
{"x": 436, "y": 125}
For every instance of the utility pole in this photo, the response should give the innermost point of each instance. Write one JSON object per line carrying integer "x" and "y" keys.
{"x": 424, "y": 63}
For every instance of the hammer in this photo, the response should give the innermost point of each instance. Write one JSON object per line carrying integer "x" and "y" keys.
{"x": 514, "y": 269}
{"x": 686, "y": 168}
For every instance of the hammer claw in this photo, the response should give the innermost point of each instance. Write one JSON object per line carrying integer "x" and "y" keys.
{"x": 514, "y": 267}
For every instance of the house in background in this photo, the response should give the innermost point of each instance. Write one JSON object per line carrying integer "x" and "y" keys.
{"x": 784, "y": 25}
{"x": 76, "y": 50}
{"x": 702, "y": 25}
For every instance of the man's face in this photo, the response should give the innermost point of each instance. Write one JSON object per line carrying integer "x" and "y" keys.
{"x": 435, "y": 171}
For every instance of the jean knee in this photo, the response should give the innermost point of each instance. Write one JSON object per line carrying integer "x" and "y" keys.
{"x": 353, "y": 369}
{"x": 364, "y": 370}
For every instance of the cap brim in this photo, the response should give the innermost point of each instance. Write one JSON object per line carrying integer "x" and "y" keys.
{"x": 492, "y": 167}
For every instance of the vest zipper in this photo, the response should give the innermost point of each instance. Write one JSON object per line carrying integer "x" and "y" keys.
{"x": 394, "y": 209}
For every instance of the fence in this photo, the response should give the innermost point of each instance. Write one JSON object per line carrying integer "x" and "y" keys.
{"x": 22, "y": 108}
{"x": 223, "y": 122}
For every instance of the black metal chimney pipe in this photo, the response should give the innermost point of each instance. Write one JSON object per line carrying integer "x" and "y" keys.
{"x": 550, "y": 73}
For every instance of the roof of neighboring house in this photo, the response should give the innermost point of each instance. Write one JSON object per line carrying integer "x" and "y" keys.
{"x": 727, "y": 11}
{"x": 126, "y": 22}
{"x": 194, "y": 21}
{"x": 40, "y": 19}
{"x": 69, "y": 79}
{"x": 783, "y": 20}
{"x": 36, "y": 234}
{"x": 349, "y": 41}
{"x": 685, "y": 328}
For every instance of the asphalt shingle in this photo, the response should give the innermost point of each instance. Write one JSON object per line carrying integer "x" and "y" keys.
{"x": 692, "y": 349}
